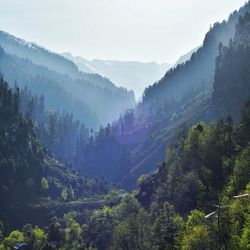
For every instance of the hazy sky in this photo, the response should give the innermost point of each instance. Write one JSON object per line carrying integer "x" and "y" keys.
{"x": 145, "y": 30}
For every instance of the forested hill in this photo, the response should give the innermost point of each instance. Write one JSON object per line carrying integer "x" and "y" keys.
{"x": 206, "y": 161}
{"x": 198, "y": 199}
{"x": 29, "y": 177}
{"x": 65, "y": 87}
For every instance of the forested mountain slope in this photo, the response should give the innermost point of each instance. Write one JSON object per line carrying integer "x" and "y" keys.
{"x": 200, "y": 164}
{"x": 198, "y": 199}
{"x": 73, "y": 143}
{"x": 183, "y": 96}
{"x": 28, "y": 174}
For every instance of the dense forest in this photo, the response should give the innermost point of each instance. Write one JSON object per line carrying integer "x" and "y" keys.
{"x": 28, "y": 173}
{"x": 70, "y": 141}
{"x": 80, "y": 168}
{"x": 192, "y": 202}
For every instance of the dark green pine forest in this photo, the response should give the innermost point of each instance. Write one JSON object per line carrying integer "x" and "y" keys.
{"x": 83, "y": 167}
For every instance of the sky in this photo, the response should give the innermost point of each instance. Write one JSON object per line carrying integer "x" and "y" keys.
{"x": 126, "y": 30}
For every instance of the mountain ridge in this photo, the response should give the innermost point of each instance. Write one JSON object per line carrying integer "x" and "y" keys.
{"x": 128, "y": 74}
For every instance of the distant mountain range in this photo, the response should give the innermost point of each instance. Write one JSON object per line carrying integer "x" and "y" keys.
{"x": 91, "y": 98}
{"x": 133, "y": 75}
{"x": 128, "y": 74}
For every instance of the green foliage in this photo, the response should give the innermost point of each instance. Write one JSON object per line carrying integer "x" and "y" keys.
{"x": 73, "y": 232}
{"x": 196, "y": 238}
{"x": 44, "y": 184}
{"x": 14, "y": 238}
{"x": 245, "y": 237}
{"x": 167, "y": 227}
{"x": 64, "y": 194}
{"x": 241, "y": 175}
{"x": 39, "y": 238}
{"x": 196, "y": 235}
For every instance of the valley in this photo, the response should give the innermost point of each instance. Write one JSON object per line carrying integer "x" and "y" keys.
{"x": 106, "y": 154}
